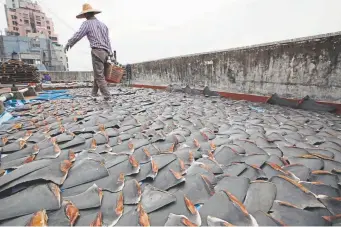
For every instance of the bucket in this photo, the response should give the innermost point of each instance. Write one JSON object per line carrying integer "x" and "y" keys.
{"x": 113, "y": 73}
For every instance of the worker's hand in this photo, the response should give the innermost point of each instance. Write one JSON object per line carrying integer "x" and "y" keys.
{"x": 112, "y": 58}
{"x": 67, "y": 47}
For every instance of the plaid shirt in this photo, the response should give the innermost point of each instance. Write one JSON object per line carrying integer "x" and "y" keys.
{"x": 97, "y": 33}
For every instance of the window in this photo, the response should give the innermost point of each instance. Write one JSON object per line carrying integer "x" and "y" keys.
{"x": 47, "y": 22}
{"x": 25, "y": 16}
{"x": 14, "y": 17}
{"x": 38, "y": 23}
{"x": 49, "y": 33}
{"x": 15, "y": 29}
{"x": 48, "y": 27}
{"x": 26, "y": 21}
{"x": 38, "y": 17}
{"x": 14, "y": 23}
{"x": 28, "y": 31}
{"x": 20, "y": 20}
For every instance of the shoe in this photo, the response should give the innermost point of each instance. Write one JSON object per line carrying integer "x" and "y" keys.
{"x": 94, "y": 97}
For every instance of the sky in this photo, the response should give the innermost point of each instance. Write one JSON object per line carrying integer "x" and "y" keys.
{"x": 143, "y": 30}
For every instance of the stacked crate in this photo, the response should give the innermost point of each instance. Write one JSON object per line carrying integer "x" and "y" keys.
{"x": 16, "y": 71}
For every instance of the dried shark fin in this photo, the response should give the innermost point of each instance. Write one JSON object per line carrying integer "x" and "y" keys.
{"x": 177, "y": 175}
{"x": 145, "y": 150}
{"x": 93, "y": 144}
{"x": 98, "y": 221}
{"x": 213, "y": 221}
{"x": 120, "y": 205}
{"x": 72, "y": 156}
{"x": 56, "y": 191}
{"x": 65, "y": 166}
{"x": 187, "y": 222}
{"x": 143, "y": 216}
{"x": 196, "y": 143}
{"x": 182, "y": 166}
{"x": 155, "y": 168}
{"x": 28, "y": 134}
{"x": 22, "y": 144}
{"x": 238, "y": 204}
{"x": 133, "y": 161}
{"x": 208, "y": 184}
{"x": 56, "y": 148}
{"x": 121, "y": 178}
{"x": 190, "y": 206}
{"x": 39, "y": 219}
{"x": 71, "y": 212}
{"x": 30, "y": 159}
{"x": 332, "y": 218}
{"x": 286, "y": 204}
{"x": 4, "y": 140}
{"x": 300, "y": 186}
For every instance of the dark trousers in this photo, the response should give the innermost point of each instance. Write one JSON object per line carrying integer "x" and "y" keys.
{"x": 99, "y": 58}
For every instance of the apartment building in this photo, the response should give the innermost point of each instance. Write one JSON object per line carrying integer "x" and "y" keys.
{"x": 25, "y": 17}
{"x": 30, "y": 35}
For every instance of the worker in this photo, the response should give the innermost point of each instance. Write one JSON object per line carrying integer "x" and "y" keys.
{"x": 46, "y": 78}
{"x": 98, "y": 36}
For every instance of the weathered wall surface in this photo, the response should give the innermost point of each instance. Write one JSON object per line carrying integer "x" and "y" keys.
{"x": 295, "y": 68}
{"x": 71, "y": 76}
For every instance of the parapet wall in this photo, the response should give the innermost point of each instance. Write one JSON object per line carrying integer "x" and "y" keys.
{"x": 292, "y": 68}
{"x": 71, "y": 76}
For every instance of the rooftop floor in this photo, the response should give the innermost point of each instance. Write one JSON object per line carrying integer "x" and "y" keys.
{"x": 155, "y": 155}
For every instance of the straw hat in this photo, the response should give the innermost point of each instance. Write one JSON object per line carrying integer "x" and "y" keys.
{"x": 87, "y": 9}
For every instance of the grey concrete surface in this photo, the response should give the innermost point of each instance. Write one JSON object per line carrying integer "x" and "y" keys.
{"x": 163, "y": 153}
{"x": 292, "y": 68}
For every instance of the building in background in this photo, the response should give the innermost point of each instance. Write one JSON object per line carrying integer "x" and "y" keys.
{"x": 30, "y": 34}
{"x": 34, "y": 50}
{"x": 25, "y": 17}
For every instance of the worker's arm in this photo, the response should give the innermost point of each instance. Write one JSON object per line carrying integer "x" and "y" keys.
{"x": 108, "y": 40}
{"x": 78, "y": 35}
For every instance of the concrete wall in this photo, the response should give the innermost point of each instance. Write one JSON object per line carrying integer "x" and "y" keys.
{"x": 293, "y": 68}
{"x": 71, "y": 76}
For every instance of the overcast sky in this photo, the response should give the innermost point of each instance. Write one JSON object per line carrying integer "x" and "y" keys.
{"x": 142, "y": 30}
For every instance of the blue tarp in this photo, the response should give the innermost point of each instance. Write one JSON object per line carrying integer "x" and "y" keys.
{"x": 5, "y": 116}
{"x": 54, "y": 92}
{"x": 53, "y": 95}
{"x": 48, "y": 97}
{"x": 198, "y": 206}
{"x": 14, "y": 103}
